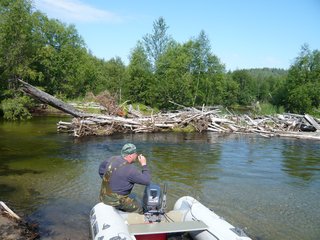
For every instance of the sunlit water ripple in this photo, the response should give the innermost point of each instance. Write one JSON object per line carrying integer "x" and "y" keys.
{"x": 269, "y": 187}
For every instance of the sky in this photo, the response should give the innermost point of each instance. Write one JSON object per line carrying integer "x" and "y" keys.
{"x": 243, "y": 34}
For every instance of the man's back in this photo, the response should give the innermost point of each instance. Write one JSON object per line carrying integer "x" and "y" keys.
{"x": 124, "y": 175}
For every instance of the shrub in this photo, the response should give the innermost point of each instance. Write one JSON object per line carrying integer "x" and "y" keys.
{"x": 16, "y": 108}
{"x": 269, "y": 109}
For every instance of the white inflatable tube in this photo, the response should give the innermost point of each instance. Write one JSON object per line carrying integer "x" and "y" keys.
{"x": 106, "y": 223}
{"x": 218, "y": 228}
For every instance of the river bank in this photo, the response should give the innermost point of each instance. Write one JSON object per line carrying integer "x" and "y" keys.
{"x": 12, "y": 227}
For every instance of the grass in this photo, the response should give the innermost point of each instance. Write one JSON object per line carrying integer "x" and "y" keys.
{"x": 187, "y": 129}
{"x": 145, "y": 110}
{"x": 260, "y": 109}
{"x": 269, "y": 109}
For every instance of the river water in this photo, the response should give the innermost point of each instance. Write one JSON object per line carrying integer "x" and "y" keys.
{"x": 268, "y": 187}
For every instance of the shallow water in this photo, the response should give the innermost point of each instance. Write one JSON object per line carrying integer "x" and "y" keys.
{"x": 269, "y": 187}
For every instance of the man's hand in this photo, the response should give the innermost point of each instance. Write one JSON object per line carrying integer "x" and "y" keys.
{"x": 142, "y": 160}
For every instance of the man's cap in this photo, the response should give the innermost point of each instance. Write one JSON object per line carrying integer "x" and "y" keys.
{"x": 128, "y": 149}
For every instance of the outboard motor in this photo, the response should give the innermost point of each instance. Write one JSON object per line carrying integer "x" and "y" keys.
{"x": 154, "y": 202}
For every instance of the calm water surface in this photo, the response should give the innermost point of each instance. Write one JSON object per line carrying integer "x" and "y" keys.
{"x": 269, "y": 187}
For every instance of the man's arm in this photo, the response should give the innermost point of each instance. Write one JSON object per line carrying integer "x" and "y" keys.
{"x": 103, "y": 167}
{"x": 143, "y": 177}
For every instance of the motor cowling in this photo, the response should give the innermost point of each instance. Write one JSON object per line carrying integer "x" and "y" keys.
{"x": 154, "y": 203}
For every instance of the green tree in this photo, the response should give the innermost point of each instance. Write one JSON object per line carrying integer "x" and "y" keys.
{"x": 60, "y": 59}
{"x": 140, "y": 77}
{"x": 114, "y": 77}
{"x": 41, "y": 51}
{"x": 173, "y": 78}
{"x": 276, "y": 90}
{"x": 246, "y": 87}
{"x": 303, "y": 82}
{"x": 208, "y": 73}
{"x": 156, "y": 43}
{"x": 17, "y": 42}
{"x": 268, "y": 84}
{"x": 213, "y": 86}
{"x": 189, "y": 74}
{"x": 231, "y": 93}
{"x": 93, "y": 73}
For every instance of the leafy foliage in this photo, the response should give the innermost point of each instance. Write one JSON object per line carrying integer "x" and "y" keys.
{"x": 52, "y": 55}
{"x": 302, "y": 93}
{"x": 140, "y": 77}
{"x": 156, "y": 43}
{"x": 16, "y": 108}
{"x": 189, "y": 74}
{"x": 16, "y": 38}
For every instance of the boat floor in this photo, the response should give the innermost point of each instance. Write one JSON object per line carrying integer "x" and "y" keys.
{"x": 167, "y": 227}
{"x": 173, "y": 222}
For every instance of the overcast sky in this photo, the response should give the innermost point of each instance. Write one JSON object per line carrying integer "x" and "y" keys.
{"x": 242, "y": 33}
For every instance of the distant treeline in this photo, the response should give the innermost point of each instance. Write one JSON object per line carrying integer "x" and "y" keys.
{"x": 53, "y": 56}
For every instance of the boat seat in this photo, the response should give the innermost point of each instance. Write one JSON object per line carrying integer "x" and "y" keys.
{"x": 167, "y": 227}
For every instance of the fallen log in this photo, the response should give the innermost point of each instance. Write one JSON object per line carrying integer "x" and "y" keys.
{"x": 312, "y": 121}
{"x": 49, "y": 99}
{"x": 299, "y": 136}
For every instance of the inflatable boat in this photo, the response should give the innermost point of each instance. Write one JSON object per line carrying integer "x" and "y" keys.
{"x": 188, "y": 216}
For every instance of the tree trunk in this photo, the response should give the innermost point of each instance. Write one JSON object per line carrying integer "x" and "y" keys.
{"x": 50, "y": 100}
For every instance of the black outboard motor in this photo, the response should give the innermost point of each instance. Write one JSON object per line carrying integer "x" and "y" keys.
{"x": 154, "y": 202}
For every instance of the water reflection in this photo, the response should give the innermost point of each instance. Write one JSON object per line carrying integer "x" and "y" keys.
{"x": 6, "y": 189}
{"x": 6, "y": 171}
{"x": 185, "y": 166}
{"x": 301, "y": 159}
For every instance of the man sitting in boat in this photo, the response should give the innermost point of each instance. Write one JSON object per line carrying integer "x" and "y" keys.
{"x": 119, "y": 176}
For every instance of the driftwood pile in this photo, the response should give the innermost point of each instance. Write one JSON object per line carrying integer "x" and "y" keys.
{"x": 289, "y": 125}
{"x": 84, "y": 124}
